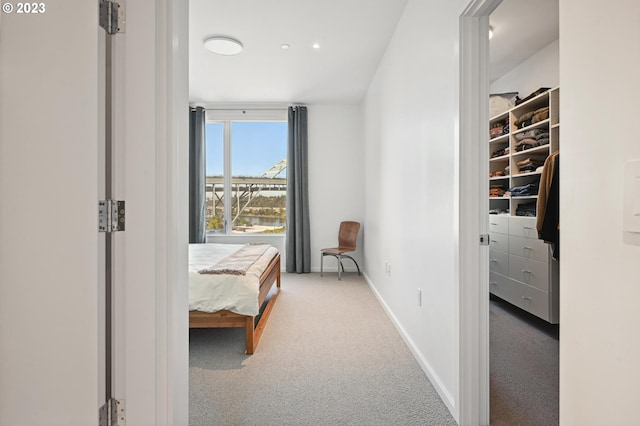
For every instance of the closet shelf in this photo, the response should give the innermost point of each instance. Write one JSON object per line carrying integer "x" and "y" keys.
{"x": 502, "y": 157}
{"x": 500, "y": 117}
{"x": 519, "y": 175}
{"x": 501, "y": 138}
{"x": 524, "y": 273}
{"x": 532, "y": 104}
{"x": 537, "y": 149}
{"x": 539, "y": 124}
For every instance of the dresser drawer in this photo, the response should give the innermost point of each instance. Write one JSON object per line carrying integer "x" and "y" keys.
{"x": 498, "y": 284}
{"x": 499, "y": 241}
{"x": 499, "y": 223}
{"x": 529, "y": 248}
{"x": 498, "y": 261}
{"x": 528, "y": 271}
{"x": 523, "y": 227}
{"x": 528, "y": 298}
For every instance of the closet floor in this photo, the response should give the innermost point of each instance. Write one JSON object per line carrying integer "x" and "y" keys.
{"x": 524, "y": 366}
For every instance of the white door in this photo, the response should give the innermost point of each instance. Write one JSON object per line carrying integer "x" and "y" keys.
{"x": 51, "y": 127}
{"x": 49, "y": 138}
{"x": 474, "y": 260}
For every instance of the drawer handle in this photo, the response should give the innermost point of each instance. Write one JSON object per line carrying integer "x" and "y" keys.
{"x": 526, "y": 271}
{"x": 493, "y": 241}
{"x": 493, "y": 261}
{"x": 527, "y": 227}
{"x": 494, "y": 224}
{"x": 493, "y": 283}
{"x": 526, "y": 298}
{"x": 526, "y": 248}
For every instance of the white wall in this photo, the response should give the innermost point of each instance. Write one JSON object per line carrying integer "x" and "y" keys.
{"x": 599, "y": 280}
{"x": 336, "y": 178}
{"x": 48, "y": 226}
{"x": 410, "y": 122}
{"x": 539, "y": 70}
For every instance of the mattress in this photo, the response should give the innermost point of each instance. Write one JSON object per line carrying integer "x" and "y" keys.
{"x": 216, "y": 292}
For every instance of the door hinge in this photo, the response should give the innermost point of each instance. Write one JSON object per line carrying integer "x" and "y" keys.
{"x": 484, "y": 239}
{"x": 112, "y": 17}
{"x": 112, "y": 413}
{"x": 111, "y": 216}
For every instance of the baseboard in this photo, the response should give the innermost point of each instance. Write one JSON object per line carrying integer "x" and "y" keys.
{"x": 424, "y": 364}
{"x": 334, "y": 270}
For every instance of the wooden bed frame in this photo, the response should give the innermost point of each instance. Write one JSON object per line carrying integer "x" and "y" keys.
{"x": 220, "y": 319}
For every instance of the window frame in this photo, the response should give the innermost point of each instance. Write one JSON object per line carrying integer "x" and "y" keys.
{"x": 227, "y": 117}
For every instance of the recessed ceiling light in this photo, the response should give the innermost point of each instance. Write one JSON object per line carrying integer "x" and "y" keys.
{"x": 285, "y": 46}
{"x": 223, "y": 45}
{"x": 316, "y": 46}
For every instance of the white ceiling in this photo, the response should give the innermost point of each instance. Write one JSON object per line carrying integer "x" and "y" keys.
{"x": 353, "y": 35}
{"x": 520, "y": 29}
{"x": 352, "y": 42}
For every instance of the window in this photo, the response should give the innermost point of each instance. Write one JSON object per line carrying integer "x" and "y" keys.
{"x": 246, "y": 184}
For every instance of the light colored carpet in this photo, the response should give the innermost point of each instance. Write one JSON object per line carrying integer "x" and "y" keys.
{"x": 524, "y": 367}
{"x": 328, "y": 356}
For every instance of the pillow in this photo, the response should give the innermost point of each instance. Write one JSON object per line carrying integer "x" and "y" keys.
{"x": 499, "y": 103}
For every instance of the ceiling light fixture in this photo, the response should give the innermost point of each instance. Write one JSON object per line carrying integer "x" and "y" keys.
{"x": 285, "y": 46}
{"x": 316, "y": 46}
{"x": 223, "y": 45}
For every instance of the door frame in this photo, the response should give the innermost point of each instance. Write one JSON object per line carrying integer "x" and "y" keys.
{"x": 473, "y": 261}
{"x": 150, "y": 310}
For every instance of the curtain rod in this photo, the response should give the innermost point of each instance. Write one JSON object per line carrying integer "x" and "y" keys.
{"x": 248, "y": 107}
{"x": 238, "y": 106}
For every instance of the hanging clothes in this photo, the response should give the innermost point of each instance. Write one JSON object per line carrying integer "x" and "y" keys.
{"x": 548, "y": 220}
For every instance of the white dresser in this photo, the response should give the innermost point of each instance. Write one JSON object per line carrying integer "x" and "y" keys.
{"x": 522, "y": 270}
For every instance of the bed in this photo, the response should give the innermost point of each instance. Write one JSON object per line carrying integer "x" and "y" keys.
{"x": 230, "y": 285}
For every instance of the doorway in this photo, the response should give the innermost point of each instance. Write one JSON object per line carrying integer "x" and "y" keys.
{"x": 523, "y": 306}
{"x": 474, "y": 169}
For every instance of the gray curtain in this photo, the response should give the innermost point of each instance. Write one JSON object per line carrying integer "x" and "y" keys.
{"x": 197, "y": 176}
{"x": 297, "y": 236}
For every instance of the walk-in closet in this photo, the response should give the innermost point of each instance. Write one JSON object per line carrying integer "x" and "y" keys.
{"x": 524, "y": 248}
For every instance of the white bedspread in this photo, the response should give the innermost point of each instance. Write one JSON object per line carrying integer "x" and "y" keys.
{"x": 236, "y": 293}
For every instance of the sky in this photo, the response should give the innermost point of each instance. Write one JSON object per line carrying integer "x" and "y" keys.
{"x": 255, "y": 147}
